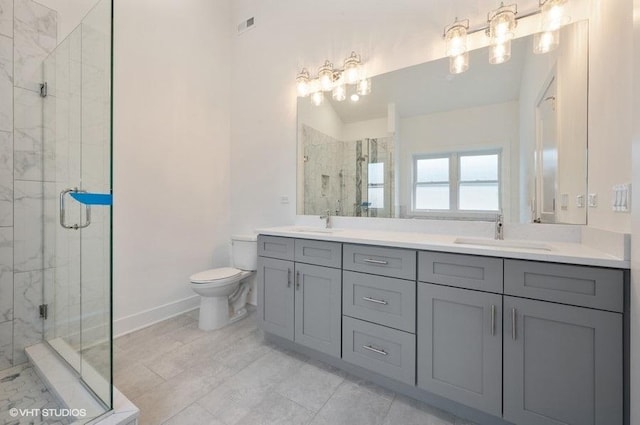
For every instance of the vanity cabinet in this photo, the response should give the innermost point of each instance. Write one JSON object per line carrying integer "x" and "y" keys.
{"x": 504, "y": 341}
{"x": 276, "y": 297}
{"x": 298, "y": 301}
{"x": 460, "y": 345}
{"x": 563, "y": 360}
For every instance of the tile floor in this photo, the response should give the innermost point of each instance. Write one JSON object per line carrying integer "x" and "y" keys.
{"x": 22, "y": 388}
{"x": 179, "y": 375}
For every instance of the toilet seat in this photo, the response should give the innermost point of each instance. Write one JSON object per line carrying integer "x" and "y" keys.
{"x": 219, "y": 276}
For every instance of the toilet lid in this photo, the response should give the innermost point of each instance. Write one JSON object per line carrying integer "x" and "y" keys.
{"x": 215, "y": 274}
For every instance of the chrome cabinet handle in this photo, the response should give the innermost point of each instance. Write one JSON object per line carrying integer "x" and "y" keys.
{"x": 288, "y": 278}
{"x": 513, "y": 323}
{"x": 493, "y": 320}
{"x": 372, "y": 261}
{"x": 375, "y": 350}
{"x": 298, "y": 280}
{"x": 63, "y": 210}
{"x": 373, "y": 300}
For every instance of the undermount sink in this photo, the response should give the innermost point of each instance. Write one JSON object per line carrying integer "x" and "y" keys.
{"x": 503, "y": 244}
{"x": 314, "y": 230}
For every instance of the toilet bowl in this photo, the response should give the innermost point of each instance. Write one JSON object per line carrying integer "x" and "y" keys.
{"x": 223, "y": 291}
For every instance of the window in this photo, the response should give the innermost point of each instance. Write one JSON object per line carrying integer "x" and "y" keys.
{"x": 375, "y": 186}
{"x": 457, "y": 182}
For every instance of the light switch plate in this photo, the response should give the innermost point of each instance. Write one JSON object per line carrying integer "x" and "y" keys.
{"x": 621, "y": 198}
{"x": 580, "y": 201}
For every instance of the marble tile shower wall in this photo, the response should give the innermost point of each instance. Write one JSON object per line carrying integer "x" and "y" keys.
{"x": 27, "y": 37}
{"x": 332, "y": 171}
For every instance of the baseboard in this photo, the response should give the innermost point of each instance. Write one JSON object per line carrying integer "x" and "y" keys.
{"x": 154, "y": 315}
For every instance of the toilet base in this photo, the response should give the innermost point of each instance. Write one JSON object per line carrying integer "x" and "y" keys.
{"x": 214, "y": 313}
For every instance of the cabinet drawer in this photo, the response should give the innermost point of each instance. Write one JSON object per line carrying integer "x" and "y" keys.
{"x": 383, "y": 350}
{"x": 383, "y": 300}
{"x": 392, "y": 262}
{"x": 321, "y": 253}
{"x": 275, "y": 247}
{"x": 568, "y": 284}
{"x": 463, "y": 271}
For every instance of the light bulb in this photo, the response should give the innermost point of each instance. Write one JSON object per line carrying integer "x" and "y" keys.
{"x": 544, "y": 42}
{"x": 553, "y": 15}
{"x": 339, "y": 92}
{"x": 354, "y": 97}
{"x": 502, "y": 25}
{"x": 456, "y": 38}
{"x": 302, "y": 83}
{"x": 364, "y": 87}
{"x": 325, "y": 76}
{"x": 459, "y": 64}
{"x": 500, "y": 52}
{"x": 352, "y": 68}
{"x": 317, "y": 98}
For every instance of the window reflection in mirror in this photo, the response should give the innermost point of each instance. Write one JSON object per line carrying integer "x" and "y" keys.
{"x": 508, "y": 138}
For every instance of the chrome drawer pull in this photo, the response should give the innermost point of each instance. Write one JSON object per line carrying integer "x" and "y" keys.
{"x": 375, "y": 350}
{"x": 513, "y": 323}
{"x": 373, "y": 300}
{"x": 372, "y": 261}
{"x": 493, "y": 320}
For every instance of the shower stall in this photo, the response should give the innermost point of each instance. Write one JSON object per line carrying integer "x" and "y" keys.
{"x": 55, "y": 194}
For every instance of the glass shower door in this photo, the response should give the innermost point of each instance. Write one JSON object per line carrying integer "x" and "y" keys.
{"x": 77, "y": 135}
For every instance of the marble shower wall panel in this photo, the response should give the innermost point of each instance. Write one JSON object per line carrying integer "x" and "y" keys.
{"x": 27, "y": 325}
{"x": 27, "y": 37}
{"x": 6, "y": 18}
{"x": 35, "y": 28}
{"x": 6, "y": 178}
{"x": 28, "y": 226}
{"x": 6, "y": 274}
{"x": 6, "y": 345}
{"x": 28, "y": 143}
{"x": 6, "y": 83}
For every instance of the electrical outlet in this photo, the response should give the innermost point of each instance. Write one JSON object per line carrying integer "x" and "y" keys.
{"x": 580, "y": 201}
{"x": 592, "y": 200}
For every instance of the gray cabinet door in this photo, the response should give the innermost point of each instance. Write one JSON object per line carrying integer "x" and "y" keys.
{"x": 275, "y": 296}
{"x": 460, "y": 345}
{"x": 562, "y": 365}
{"x": 318, "y": 308}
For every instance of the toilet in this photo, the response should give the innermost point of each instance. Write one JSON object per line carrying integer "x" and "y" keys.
{"x": 223, "y": 291}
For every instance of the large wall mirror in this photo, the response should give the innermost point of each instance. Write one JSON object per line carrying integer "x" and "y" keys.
{"x": 509, "y": 138}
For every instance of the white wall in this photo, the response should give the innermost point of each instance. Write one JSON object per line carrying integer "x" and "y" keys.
{"x": 390, "y": 35}
{"x": 463, "y": 130}
{"x": 635, "y": 225}
{"x": 610, "y": 107}
{"x": 171, "y": 152}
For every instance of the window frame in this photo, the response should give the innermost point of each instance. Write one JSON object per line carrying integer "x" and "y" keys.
{"x": 454, "y": 182}
{"x": 377, "y": 186}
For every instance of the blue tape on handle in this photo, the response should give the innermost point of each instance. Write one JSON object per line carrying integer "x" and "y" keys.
{"x": 92, "y": 198}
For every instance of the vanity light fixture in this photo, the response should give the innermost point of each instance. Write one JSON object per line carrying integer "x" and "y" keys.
{"x": 553, "y": 18}
{"x": 455, "y": 36}
{"x": 502, "y": 26}
{"x": 336, "y": 81}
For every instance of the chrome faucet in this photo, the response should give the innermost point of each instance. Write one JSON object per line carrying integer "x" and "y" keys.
{"x": 327, "y": 218}
{"x": 499, "y": 227}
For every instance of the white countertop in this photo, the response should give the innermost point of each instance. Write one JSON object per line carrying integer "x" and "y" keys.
{"x": 556, "y": 252}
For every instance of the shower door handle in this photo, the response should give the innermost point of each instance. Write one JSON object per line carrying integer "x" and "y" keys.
{"x": 63, "y": 221}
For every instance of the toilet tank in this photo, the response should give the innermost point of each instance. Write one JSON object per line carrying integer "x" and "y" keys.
{"x": 244, "y": 251}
